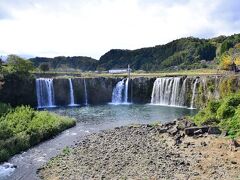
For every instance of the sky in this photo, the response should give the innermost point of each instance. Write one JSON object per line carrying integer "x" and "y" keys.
{"x": 92, "y": 27}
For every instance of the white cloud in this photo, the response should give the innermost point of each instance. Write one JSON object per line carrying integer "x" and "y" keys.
{"x": 92, "y": 27}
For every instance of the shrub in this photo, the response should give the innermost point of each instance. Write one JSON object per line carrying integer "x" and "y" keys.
{"x": 228, "y": 106}
{"x": 224, "y": 113}
{"x": 19, "y": 118}
{"x": 233, "y": 100}
{"x": 232, "y": 125}
{"x": 23, "y": 127}
{"x": 4, "y": 155}
{"x": 207, "y": 115}
{"x": 5, "y": 130}
{"x": 213, "y": 106}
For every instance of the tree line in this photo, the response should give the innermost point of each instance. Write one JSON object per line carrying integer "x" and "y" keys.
{"x": 184, "y": 53}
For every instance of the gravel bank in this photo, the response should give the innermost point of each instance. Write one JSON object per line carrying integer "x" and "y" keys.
{"x": 146, "y": 152}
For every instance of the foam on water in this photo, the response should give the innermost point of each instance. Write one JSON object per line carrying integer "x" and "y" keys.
{"x": 6, "y": 170}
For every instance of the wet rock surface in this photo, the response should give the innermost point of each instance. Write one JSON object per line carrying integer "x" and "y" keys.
{"x": 147, "y": 152}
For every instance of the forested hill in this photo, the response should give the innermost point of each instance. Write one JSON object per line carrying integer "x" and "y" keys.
{"x": 182, "y": 52}
{"x": 62, "y": 62}
{"x": 185, "y": 53}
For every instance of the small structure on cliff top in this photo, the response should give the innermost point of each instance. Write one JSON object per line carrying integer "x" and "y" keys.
{"x": 120, "y": 71}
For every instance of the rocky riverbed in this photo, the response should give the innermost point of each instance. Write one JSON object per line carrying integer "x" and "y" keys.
{"x": 148, "y": 152}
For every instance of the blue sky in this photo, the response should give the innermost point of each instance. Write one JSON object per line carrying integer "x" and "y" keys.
{"x": 93, "y": 27}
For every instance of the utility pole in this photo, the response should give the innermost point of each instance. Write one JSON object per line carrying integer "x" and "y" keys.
{"x": 128, "y": 71}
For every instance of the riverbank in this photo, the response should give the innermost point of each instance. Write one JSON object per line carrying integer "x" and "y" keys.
{"x": 147, "y": 151}
{"x": 23, "y": 127}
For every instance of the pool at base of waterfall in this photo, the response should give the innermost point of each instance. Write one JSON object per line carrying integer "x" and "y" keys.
{"x": 124, "y": 114}
{"x": 90, "y": 119}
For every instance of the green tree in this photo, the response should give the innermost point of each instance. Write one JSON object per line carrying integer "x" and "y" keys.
{"x": 16, "y": 64}
{"x": 226, "y": 45}
{"x": 225, "y": 61}
{"x": 44, "y": 67}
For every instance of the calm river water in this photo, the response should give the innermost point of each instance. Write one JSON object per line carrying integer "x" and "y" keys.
{"x": 90, "y": 119}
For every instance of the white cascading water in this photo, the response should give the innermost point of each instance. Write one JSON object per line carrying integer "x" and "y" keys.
{"x": 85, "y": 92}
{"x": 45, "y": 92}
{"x": 193, "y": 94}
{"x": 120, "y": 92}
{"x": 72, "y": 103}
{"x": 166, "y": 91}
{"x": 126, "y": 91}
{"x": 117, "y": 92}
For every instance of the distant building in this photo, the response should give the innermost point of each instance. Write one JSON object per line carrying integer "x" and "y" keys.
{"x": 203, "y": 62}
{"x": 118, "y": 71}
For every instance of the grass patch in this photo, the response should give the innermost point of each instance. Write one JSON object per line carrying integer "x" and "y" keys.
{"x": 24, "y": 127}
{"x": 66, "y": 151}
{"x": 155, "y": 124}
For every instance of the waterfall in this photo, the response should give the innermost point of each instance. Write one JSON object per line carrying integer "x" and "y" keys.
{"x": 166, "y": 91}
{"x": 120, "y": 92}
{"x": 193, "y": 93}
{"x": 71, "y": 93}
{"x": 117, "y": 92}
{"x": 85, "y": 92}
{"x": 45, "y": 92}
{"x": 126, "y": 91}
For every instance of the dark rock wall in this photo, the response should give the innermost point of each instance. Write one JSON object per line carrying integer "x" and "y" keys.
{"x": 18, "y": 90}
{"x": 140, "y": 89}
{"x": 100, "y": 90}
{"x": 61, "y": 91}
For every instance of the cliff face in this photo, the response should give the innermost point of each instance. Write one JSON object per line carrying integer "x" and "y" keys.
{"x": 18, "y": 90}
{"x": 141, "y": 89}
{"x": 93, "y": 91}
{"x": 90, "y": 90}
{"x": 61, "y": 91}
{"x": 215, "y": 87}
{"x": 99, "y": 90}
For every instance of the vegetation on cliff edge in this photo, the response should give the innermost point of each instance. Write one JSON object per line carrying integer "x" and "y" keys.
{"x": 224, "y": 113}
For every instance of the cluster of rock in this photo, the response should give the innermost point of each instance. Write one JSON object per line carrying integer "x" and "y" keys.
{"x": 181, "y": 127}
{"x": 146, "y": 152}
